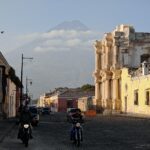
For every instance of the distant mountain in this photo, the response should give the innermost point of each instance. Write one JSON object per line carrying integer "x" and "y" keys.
{"x": 59, "y": 61}
{"x": 71, "y": 25}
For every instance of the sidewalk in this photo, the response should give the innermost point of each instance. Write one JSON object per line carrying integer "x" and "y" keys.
{"x": 5, "y": 127}
{"x": 129, "y": 115}
{"x": 140, "y": 116}
{"x": 117, "y": 114}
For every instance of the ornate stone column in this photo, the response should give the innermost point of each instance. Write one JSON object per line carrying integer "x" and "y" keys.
{"x": 98, "y": 47}
{"x": 116, "y": 90}
{"x": 99, "y": 100}
{"x": 106, "y": 98}
{"x": 107, "y": 57}
{"x": 97, "y": 61}
{"x": 97, "y": 91}
{"x": 102, "y": 88}
{"x": 98, "y": 51}
{"x": 108, "y": 45}
{"x": 103, "y": 57}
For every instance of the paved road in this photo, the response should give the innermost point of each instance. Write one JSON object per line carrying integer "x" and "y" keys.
{"x": 100, "y": 133}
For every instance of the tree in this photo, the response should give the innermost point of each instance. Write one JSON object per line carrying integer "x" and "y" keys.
{"x": 88, "y": 87}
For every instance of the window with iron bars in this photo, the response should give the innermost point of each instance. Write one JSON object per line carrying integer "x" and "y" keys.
{"x": 136, "y": 97}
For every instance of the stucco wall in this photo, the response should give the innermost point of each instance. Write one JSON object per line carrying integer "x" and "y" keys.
{"x": 128, "y": 86}
{"x": 11, "y": 99}
{"x": 82, "y": 104}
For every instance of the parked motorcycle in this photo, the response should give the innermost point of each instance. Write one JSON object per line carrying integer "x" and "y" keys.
{"x": 77, "y": 134}
{"x": 25, "y": 134}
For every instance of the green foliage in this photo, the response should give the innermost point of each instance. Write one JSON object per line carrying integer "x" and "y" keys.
{"x": 88, "y": 87}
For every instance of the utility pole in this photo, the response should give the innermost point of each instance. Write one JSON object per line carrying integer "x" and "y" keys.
{"x": 27, "y": 90}
{"x": 21, "y": 80}
{"x": 21, "y": 90}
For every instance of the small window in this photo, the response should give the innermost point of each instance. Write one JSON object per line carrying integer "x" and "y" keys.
{"x": 147, "y": 102}
{"x": 136, "y": 101}
{"x": 125, "y": 58}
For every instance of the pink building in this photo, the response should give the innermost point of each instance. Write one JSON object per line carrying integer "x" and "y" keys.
{"x": 62, "y": 100}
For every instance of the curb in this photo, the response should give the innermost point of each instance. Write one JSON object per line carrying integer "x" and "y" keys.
{"x": 125, "y": 116}
{"x": 132, "y": 116}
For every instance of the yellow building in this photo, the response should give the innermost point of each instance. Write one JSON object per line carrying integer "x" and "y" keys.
{"x": 135, "y": 92}
{"x": 85, "y": 103}
{"x": 45, "y": 100}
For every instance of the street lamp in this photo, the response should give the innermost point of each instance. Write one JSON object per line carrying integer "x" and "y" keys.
{"x": 22, "y": 58}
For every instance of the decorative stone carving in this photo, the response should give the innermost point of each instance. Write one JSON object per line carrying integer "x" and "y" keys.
{"x": 98, "y": 47}
{"x": 116, "y": 74}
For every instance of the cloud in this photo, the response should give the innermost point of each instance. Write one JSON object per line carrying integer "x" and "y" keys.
{"x": 67, "y": 34}
{"x": 62, "y": 40}
{"x": 56, "y": 40}
{"x": 73, "y": 42}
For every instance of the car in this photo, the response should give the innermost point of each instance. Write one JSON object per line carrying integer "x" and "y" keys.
{"x": 35, "y": 115}
{"x": 71, "y": 112}
{"x": 46, "y": 111}
{"x": 39, "y": 110}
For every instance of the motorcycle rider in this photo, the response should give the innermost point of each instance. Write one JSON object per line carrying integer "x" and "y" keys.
{"x": 25, "y": 118}
{"x": 77, "y": 116}
{"x": 76, "y": 120}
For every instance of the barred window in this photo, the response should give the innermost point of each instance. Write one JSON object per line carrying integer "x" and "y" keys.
{"x": 136, "y": 100}
{"x": 147, "y": 102}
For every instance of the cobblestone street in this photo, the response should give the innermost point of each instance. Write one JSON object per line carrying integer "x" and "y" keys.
{"x": 102, "y": 132}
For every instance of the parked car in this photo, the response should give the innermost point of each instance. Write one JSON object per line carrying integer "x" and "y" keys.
{"x": 71, "y": 112}
{"x": 46, "y": 111}
{"x": 35, "y": 115}
{"x": 39, "y": 110}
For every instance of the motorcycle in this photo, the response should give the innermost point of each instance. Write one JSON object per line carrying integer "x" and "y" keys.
{"x": 77, "y": 134}
{"x": 25, "y": 134}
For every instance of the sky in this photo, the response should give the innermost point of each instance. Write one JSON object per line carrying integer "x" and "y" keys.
{"x": 18, "y": 17}
{"x": 25, "y": 16}
{"x": 25, "y": 21}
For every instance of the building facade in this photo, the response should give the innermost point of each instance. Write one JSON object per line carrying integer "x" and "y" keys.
{"x": 85, "y": 103}
{"x": 123, "y": 47}
{"x": 4, "y": 71}
{"x": 136, "y": 90}
{"x": 10, "y": 108}
{"x": 62, "y": 99}
{"x": 9, "y": 89}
